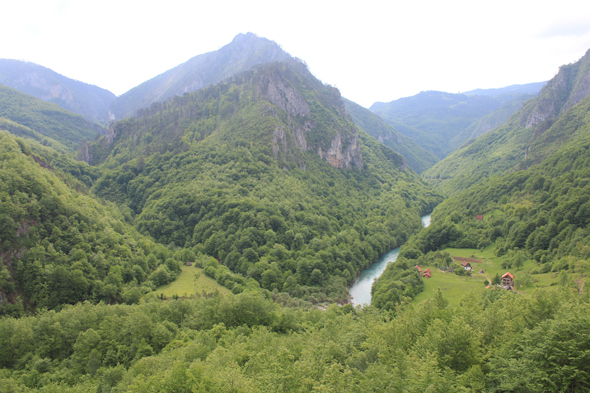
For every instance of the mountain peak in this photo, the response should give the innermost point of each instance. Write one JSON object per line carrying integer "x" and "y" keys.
{"x": 244, "y": 52}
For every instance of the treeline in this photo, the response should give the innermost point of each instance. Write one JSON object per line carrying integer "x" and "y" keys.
{"x": 498, "y": 341}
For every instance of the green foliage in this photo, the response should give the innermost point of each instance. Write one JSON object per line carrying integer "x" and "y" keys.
{"x": 28, "y": 116}
{"x": 248, "y": 343}
{"x": 209, "y": 171}
{"x": 61, "y": 246}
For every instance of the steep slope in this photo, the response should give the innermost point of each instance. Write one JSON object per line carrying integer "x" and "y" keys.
{"x": 245, "y": 51}
{"x": 531, "y": 135}
{"x": 46, "y": 118}
{"x": 86, "y": 100}
{"x": 418, "y": 158}
{"x": 435, "y": 117}
{"x": 493, "y": 120}
{"x": 268, "y": 174}
{"x": 58, "y": 245}
{"x": 442, "y": 122}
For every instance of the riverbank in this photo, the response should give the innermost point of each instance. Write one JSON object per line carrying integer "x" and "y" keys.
{"x": 360, "y": 291}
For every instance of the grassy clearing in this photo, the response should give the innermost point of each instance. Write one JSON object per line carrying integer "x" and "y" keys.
{"x": 454, "y": 287}
{"x": 191, "y": 281}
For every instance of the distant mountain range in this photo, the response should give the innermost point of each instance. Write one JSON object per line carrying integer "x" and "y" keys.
{"x": 89, "y": 101}
{"x": 543, "y": 124}
{"x": 417, "y": 158}
{"x": 442, "y": 122}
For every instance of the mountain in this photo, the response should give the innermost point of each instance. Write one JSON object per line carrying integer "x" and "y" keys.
{"x": 515, "y": 90}
{"x": 442, "y": 122}
{"x": 86, "y": 100}
{"x": 417, "y": 158}
{"x": 59, "y": 245}
{"x": 536, "y": 131}
{"x": 245, "y": 51}
{"x": 267, "y": 173}
{"x": 44, "y": 120}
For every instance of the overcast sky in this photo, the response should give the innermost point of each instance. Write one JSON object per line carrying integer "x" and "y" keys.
{"x": 371, "y": 50}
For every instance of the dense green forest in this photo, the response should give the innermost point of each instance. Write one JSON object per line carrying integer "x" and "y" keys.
{"x": 46, "y": 118}
{"x": 495, "y": 341}
{"x": 264, "y": 183}
{"x": 211, "y": 171}
{"x": 60, "y": 246}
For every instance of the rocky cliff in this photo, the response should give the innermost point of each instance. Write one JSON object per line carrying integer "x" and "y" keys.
{"x": 566, "y": 89}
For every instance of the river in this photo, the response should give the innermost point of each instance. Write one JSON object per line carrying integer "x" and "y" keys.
{"x": 360, "y": 291}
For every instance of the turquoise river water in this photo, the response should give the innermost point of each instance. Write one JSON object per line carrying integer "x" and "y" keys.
{"x": 360, "y": 291}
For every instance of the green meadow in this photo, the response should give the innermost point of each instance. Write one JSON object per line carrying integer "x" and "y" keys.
{"x": 192, "y": 281}
{"x": 454, "y": 287}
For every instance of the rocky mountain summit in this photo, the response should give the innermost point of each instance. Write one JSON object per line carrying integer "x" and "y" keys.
{"x": 244, "y": 52}
{"x": 566, "y": 89}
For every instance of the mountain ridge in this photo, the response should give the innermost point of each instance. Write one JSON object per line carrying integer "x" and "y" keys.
{"x": 245, "y": 51}
{"x": 84, "y": 99}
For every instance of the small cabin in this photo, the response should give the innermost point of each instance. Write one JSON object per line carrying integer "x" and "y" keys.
{"x": 419, "y": 268}
{"x": 189, "y": 264}
{"x": 427, "y": 273}
{"x": 480, "y": 271}
{"x": 479, "y": 218}
{"x": 507, "y": 280}
{"x": 466, "y": 265}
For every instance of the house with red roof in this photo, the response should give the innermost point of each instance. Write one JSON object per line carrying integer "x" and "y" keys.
{"x": 507, "y": 280}
{"x": 466, "y": 265}
{"x": 419, "y": 268}
{"x": 427, "y": 273}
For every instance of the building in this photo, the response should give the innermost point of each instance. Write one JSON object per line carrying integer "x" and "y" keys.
{"x": 427, "y": 273}
{"x": 419, "y": 268}
{"x": 478, "y": 218}
{"x": 466, "y": 265}
{"x": 507, "y": 280}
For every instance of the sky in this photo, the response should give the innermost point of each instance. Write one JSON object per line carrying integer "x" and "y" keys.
{"x": 370, "y": 50}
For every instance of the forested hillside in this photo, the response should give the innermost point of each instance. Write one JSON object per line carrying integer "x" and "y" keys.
{"x": 539, "y": 129}
{"x": 540, "y": 214}
{"x": 88, "y": 101}
{"x": 44, "y": 118}
{"x": 418, "y": 158}
{"x": 266, "y": 173}
{"x": 244, "y": 52}
{"x": 59, "y": 246}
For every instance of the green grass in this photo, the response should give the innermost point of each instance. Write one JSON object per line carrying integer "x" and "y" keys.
{"x": 454, "y": 287}
{"x": 191, "y": 281}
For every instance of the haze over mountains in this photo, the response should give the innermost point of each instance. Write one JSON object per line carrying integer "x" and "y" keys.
{"x": 531, "y": 135}
{"x": 281, "y": 191}
{"x": 245, "y": 51}
{"x": 89, "y": 101}
{"x": 441, "y": 122}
